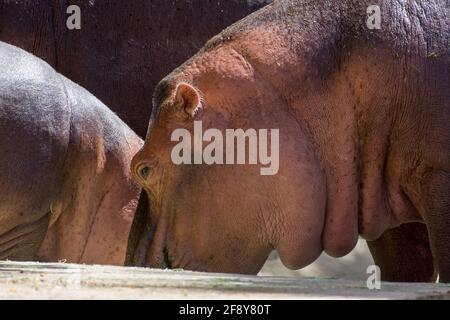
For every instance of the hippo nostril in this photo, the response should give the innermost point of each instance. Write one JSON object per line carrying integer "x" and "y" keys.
{"x": 143, "y": 171}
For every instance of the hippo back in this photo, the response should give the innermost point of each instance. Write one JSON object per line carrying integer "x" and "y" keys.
{"x": 34, "y": 131}
{"x": 62, "y": 150}
{"x": 34, "y": 127}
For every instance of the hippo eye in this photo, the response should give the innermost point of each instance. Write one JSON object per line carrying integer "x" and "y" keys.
{"x": 144, "y": 172}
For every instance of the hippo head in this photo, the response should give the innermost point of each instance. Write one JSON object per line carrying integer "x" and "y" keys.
{"x": 210, "y": 213}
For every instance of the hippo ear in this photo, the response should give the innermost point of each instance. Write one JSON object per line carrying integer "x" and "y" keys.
{"x": 188, "y": 98}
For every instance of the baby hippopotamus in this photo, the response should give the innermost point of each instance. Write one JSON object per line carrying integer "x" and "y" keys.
{"x": 65, "y": 187}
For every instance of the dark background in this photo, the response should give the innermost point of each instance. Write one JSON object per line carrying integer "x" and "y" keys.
{"x": 124, "y": 48}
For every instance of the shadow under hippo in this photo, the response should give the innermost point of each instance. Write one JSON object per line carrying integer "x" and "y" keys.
{"x": 124, "y": 47}
{"x": 65, "y": 187}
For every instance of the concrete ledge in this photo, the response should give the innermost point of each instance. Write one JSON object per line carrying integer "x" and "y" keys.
{"x": 29, "y": 280}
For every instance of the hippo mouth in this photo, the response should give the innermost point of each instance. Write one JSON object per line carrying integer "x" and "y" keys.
{"x": 167, "y": 262}
{"x": 141, "y": 234}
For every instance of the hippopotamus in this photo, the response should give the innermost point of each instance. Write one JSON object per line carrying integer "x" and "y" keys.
{"x": 364, "y": 142}
{"x": 66, "y": 188}
{"x": 123, "y": 48}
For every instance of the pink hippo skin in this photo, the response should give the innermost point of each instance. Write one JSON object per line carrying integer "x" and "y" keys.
{"x": 66, "y": 191}
{"x": 364, "y": 143}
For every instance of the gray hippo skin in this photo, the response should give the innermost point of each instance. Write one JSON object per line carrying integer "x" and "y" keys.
{"x": 65, "y": 189}
{"x": 124, "y": 47}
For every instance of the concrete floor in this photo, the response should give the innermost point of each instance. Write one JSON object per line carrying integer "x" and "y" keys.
{"x": 67, "y": 281}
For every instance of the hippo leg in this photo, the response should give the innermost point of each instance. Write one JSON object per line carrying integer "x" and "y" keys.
{"x": 436, "y": 207}
{"x": 404, "y": 255}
